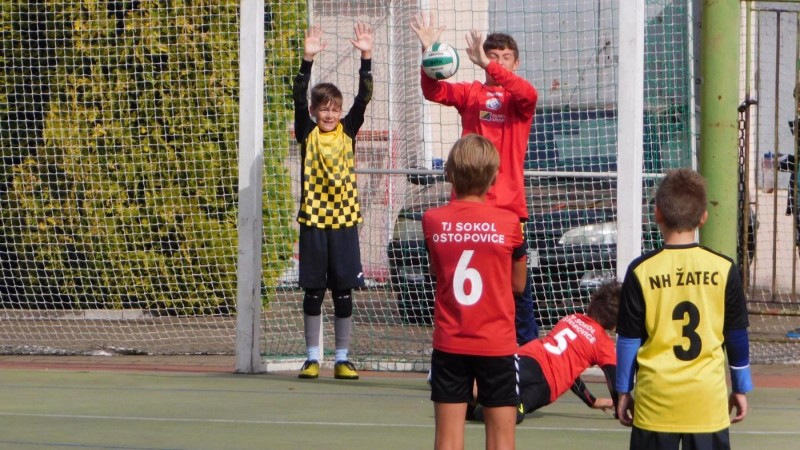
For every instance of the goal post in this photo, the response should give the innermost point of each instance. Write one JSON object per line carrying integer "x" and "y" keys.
{"x": 251, "y": 181}
{"x": 630, "y": 127}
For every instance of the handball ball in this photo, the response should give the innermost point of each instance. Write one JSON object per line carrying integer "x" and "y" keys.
{"x": 440, "y": 61}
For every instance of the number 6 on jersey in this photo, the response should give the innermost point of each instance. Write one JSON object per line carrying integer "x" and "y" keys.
{"x": 463, "y": 274}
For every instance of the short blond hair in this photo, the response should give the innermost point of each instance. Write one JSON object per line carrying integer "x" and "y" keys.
{"x": 472, "y": 165}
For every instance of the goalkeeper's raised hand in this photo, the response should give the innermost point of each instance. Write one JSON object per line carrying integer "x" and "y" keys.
{"x": 313, "y": 43}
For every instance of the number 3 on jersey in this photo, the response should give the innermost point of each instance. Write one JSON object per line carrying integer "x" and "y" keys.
{"x": 683, "y": 310}
{"x": 463, "y": 274}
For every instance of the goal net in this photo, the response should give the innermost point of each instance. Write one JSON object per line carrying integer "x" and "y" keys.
{"x": 118, "y": 183}
{"x": 770, "y": 38}
{"x": 569, "y": 51}
{"x": 121, "y": 167}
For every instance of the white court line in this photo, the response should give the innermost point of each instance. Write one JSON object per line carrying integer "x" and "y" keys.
{"x": 348, "y": 424}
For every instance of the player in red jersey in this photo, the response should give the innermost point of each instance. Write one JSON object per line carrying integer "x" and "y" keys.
{"x": 478, "y": 258}
{"x": 552, "y": 365}
{"x": 501, "y": 109}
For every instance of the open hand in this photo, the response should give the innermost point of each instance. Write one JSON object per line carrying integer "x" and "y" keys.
{"x": 426, "y": 29}
{"x": 313, "y": 43}
{"x": 475, "y": 49}
{"x": 364, "y": 39}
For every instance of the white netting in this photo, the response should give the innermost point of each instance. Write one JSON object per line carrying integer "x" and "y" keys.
{"x": 570, "y": 53}
{"x": 770, "y": 36}
{"x": 119, "y": 176}
{"x": 119, "y": 172}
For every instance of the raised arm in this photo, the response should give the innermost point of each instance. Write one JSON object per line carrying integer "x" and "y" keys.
{"x": 313, "y": 43}
{"x": 475, "y": 50}
{"x": 523, "y": 91}
{"x": 364, "y": 39}
{"x": 525, "y": 95}
{"x": 424, "y": 25}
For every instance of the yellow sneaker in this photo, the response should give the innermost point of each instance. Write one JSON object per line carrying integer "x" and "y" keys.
{"x": 345, "y": 370}
{"x": 310, "y": 369}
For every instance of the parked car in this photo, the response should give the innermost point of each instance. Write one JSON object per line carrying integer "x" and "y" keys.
{"x": 571, "y": 230}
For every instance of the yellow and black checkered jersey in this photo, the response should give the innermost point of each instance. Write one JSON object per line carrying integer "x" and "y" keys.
{"x": 329, "y": 196}
{"x": 679, "y": 300}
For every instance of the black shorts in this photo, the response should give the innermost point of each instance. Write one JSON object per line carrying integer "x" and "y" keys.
{"x": 534, "y": 391}
{"x": 452, "y": 377}
{"x": 330, "y": 258}
{"x": 656, "y": 440}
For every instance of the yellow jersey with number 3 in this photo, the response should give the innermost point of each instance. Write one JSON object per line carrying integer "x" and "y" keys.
{"x": 680, "y": 300}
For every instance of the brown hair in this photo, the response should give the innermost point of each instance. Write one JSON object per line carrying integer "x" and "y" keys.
{"x": 681, "y": 199}
{"x": 472, "y": 165}
{"x": 500, "y": 41}
{"x": 324, "y": 93}
{"x": 604, "y": 305}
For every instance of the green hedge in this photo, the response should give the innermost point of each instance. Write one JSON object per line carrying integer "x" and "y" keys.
{"x": 119, "y": 182}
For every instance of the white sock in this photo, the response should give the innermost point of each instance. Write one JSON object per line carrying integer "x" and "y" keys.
{"x": 313, "y": 353}
{"x": 341, "y": 354}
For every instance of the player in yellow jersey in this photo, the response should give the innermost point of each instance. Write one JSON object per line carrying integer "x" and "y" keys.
{"x": 682, "y": 308}
{"x": 329, "y": 209}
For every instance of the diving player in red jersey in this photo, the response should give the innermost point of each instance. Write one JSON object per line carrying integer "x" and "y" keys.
{"x": 553, "y": 364}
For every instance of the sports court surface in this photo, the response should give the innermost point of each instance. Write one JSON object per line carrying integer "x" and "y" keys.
{"x": 197, "y": 402}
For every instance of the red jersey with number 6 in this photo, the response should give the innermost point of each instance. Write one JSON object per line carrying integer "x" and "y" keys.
{"x": 574, "y": 344}
{"x": 471, "y": 246}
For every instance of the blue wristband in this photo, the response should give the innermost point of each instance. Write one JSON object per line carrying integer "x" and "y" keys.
{"x": 737, "y": 346}
{"x": 626, "y": 362}
{"x": 741, "y": 381}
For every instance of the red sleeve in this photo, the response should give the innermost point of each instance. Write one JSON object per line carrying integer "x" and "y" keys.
{"x": 442, "y": 92}
{"x": 524, "y": 94}
{"x": 606, "y": 351}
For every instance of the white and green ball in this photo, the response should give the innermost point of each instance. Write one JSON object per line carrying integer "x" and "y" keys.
{"x": 440, "y": 61}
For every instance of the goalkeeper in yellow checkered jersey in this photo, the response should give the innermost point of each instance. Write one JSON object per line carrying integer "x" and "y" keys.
{"x": 329, "y": 213}
{"x": 682, "y": 311}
